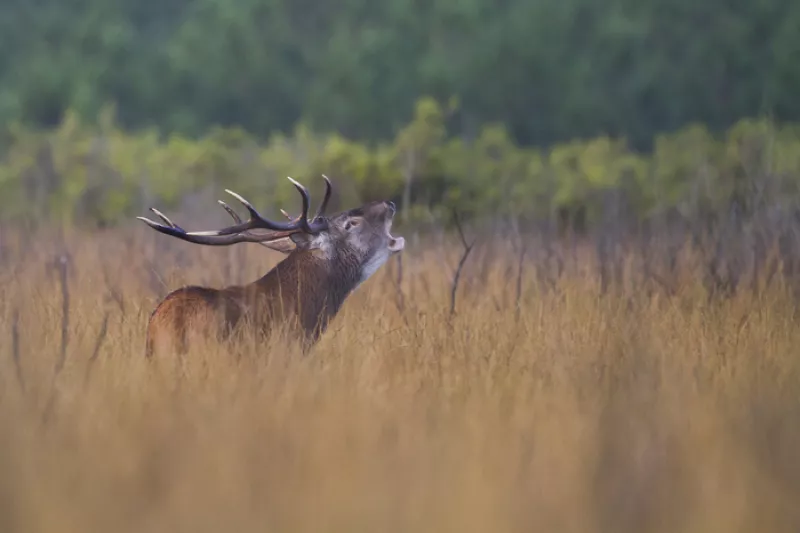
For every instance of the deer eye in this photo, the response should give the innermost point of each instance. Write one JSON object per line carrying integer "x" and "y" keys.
{"x": 351, "y": 224}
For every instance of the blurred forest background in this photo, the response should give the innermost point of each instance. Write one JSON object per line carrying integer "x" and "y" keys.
{"x": 572, "y": 113}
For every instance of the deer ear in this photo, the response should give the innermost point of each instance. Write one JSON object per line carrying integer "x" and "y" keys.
{"x": 284, "y": 245}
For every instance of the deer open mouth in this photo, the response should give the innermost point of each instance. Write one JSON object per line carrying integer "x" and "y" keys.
{"x": 396, "y": 244}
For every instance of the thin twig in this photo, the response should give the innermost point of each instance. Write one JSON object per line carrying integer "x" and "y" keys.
{"x": 101, "y": 336}
{"x": 523, "y": 248}
{"x": 457, "y": 276}
{"x": 113, "y": 292}
{"x": 400, "y": 299}
{"x": 61, "y": 265}
{"x": 15, "y": 350}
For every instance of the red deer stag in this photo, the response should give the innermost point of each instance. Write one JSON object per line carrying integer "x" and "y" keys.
{"x": 327, "y": 258}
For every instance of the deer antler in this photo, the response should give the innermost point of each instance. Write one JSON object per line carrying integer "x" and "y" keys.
{"x": 322, "y": 206}
{"x": 239, "y": 231}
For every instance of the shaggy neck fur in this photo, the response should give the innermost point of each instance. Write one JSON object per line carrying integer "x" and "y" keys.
{"x": 313, "y": 285}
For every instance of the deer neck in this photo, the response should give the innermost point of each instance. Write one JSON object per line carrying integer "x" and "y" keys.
{"x": 316, "y": 282}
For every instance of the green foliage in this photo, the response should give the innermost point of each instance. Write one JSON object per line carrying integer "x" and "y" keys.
{"x": 103, "y": 174}
{"x": 549, "y": 70}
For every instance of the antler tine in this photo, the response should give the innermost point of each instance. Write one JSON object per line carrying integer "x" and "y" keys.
{"x": 256, "y": 220}
{"x": 231, "y": 212}
{"x": 163, "y": 217}
{"x": 303, "y": 219}
{"x": 254, "y": 215}
{"x": 238, "y": 219}
{"x": 324, "y": 204}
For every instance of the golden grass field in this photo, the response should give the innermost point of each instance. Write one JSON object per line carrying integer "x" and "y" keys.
{"x": 631, "y": 410}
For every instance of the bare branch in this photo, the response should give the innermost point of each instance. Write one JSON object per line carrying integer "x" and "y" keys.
{"x": 62, "y": 266}
{"x": 101, "y": 336}
{"x": 459, "y": 268}
{"x": 15, "y": 350}
{"x": 113, "y": 292}
{"x": 400, "y": 300}
{"x": 523, "y": 248}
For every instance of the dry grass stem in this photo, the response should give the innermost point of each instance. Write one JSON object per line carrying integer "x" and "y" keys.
{"x": 635, "y": 409}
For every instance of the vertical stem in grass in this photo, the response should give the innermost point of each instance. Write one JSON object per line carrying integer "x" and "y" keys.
{"x": 523, "y": 248}
{"x": 15, "y": 350}
{"x": 62, "y": 267}
{"x": 457, "y": 275}
{"x": 101, "y": 336}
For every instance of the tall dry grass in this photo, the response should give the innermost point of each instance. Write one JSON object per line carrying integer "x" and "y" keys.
{"x": 626, "y": 409}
